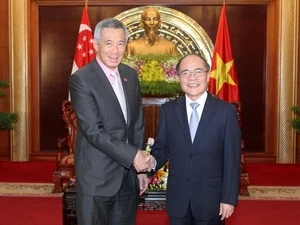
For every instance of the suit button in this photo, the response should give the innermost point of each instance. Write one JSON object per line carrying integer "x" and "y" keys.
{"x": 191, "y": 155}
{"x": 188, "y": 179}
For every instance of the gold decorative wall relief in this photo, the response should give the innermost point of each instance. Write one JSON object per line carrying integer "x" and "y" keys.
{"x": 158, "y": 37}
{"x": 177, "y": 27}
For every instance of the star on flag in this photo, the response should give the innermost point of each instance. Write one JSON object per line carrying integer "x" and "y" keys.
{"x": 222, "y": 73}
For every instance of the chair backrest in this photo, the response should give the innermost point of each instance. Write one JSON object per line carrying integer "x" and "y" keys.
{"x": 71, "y": 121}
{"x": 239, "y": 112}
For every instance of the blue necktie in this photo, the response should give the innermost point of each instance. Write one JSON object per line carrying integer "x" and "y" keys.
{"x": 194, "y": 120}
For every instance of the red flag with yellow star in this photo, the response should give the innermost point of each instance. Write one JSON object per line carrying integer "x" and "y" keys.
{"x": 223, "y": 80}
{"x": 85, "y": 51}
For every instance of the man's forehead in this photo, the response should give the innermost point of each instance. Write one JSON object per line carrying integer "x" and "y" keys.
{"x": 192, "y": 61}
{"x": 115, "y": 34}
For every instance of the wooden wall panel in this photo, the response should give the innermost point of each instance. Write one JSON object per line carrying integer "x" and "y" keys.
{"x": 4, "y": 75}
{"x": 298, "y": 103}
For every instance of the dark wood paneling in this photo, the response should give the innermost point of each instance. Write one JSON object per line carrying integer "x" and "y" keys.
{"x": 151, "y": 115}
{"x": 248, "y": 37}
{"x": 298, "y": 148}
{"x": 4, "y": 146}
{"x": 4, "y": 75}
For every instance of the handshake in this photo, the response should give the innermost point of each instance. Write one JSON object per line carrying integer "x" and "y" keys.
{"x": 144, "y": 162}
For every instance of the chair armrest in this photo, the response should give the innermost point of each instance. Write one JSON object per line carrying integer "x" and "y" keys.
{"x": 62, "y": 144}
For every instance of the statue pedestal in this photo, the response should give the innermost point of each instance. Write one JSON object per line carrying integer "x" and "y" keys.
{"x": 69, "y": 206}
{"x": 151, "y": 107}
{"x": 153, "y": 200}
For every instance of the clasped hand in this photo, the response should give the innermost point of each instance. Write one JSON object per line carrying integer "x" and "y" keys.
{"x": 143, "y": 162}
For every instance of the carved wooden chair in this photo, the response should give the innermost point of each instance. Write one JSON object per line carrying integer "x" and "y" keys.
{"x": 66, "y": 146}
{"x": 244, "y": 177}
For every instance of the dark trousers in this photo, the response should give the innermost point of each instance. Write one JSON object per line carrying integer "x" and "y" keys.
{"x": 120, "y": 209}
{"x": 190, "y": 220}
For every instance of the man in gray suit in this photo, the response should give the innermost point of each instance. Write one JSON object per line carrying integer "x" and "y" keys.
{"x": 200, "y": 137}
{"x": 106, "y": 98}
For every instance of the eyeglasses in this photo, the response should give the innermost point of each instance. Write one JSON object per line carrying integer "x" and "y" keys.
{"x": 197, "y": 73}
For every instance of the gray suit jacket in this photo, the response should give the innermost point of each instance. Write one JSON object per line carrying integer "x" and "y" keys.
{"x": 105, "y": 144}
{"x": 205, "y": 172}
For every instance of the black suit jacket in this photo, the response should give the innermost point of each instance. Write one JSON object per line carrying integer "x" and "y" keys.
{"x": 105, "y": 144}
{"x": 205, "y": 172}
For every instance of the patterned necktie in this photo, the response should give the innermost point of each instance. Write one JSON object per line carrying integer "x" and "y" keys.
{"x": 117, "y": 86}
{"x": 194, "y": 120}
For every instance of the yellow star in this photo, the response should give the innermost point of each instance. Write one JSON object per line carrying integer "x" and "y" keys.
{"x": 221, "y": 73}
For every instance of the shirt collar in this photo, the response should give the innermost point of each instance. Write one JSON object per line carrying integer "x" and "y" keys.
{"x": 201, "y": 100}
{"x": 105, "y": 69}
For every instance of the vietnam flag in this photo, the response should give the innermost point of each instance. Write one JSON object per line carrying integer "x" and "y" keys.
{"x": 223, "y": 77}
{"x": 85, "y": 51}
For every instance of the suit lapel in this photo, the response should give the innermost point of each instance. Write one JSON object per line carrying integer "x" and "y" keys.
{"x": 105, "y": 85}
{"x": 181, "y": 115}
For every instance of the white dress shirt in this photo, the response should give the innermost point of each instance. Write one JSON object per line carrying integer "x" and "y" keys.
{"x": 200, "y": 101}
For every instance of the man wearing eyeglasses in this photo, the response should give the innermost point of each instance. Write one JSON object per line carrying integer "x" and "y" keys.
{"x": 200, "y": 137}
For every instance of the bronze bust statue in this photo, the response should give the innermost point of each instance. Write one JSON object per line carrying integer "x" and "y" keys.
{"x": 151, "y": 42}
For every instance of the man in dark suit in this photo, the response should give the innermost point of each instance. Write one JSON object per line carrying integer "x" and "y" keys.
{"x": 106, "y": 98}
{"x": 204, "y": 160}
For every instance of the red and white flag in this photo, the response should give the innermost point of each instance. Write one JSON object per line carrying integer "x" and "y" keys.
{"x": 85, "y": 51}
{"x": 223, "y": 80}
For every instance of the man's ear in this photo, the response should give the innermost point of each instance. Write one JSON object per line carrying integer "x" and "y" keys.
{"x": 208, "y": 76}
{"x": 95, "y": 44}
